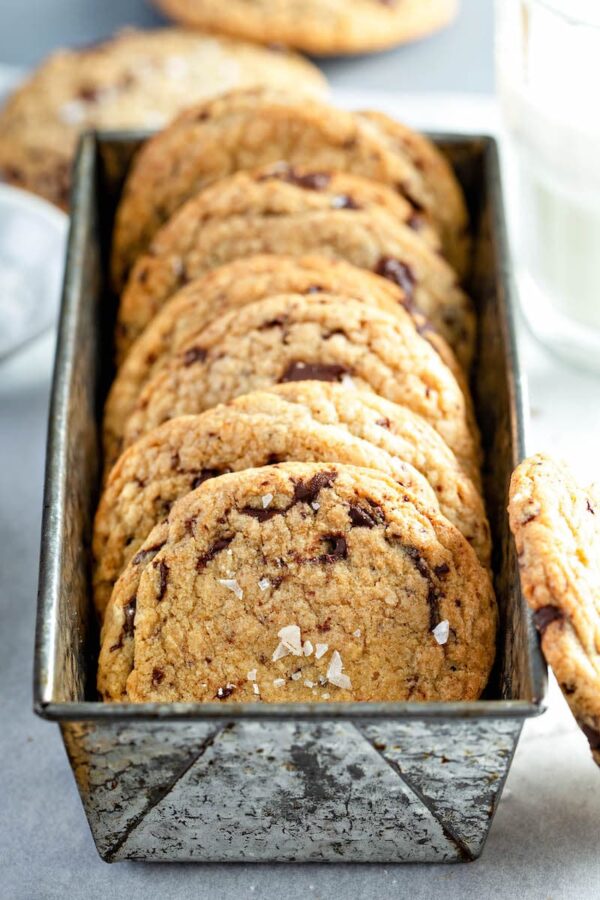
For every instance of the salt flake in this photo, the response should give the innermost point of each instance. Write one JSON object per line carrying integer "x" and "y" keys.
{"x": 290, "y": 637}
{"x": 279, "y": 682}
{"x": 357, "y": 633}
{"x": 296, "y": 676}
{"x": 279, "y": 652}
{"x": 252, "y": 675}
{"x": 256, "y": 688}
{"x": 321, "y": 650}
{"x": 307, "y": 648}
{"x": 441, "y": 632}
{"x": 264, "y": 584}
{"x": 267, "y": 499}
{"x": 334, "y": 672}
{"x": 232, "y": 585}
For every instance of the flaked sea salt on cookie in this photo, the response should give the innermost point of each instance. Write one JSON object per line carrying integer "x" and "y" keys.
{"x": 252, "y": 675}
{"x": 232, "y": 585}
{"x": 335, "y": 672}
{"x": 256, "y": 688}
{"x": 321, "y": 650}
{"x": 291, "y": 638}
{"x": 267, "y": 499}
{"x": 279, "y": 682}
{"x": 357, "y": 633}
{"x": 307, "y": 648}
{"x": 264, "y": 584}
{"x": 296, "y": 676}
{"x": 441, "y": 632}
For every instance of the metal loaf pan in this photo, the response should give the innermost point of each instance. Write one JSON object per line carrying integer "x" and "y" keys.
{"x": 385, "y": 782}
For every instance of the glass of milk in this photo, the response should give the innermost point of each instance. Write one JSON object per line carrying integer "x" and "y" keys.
{"x": 548, "y": 72}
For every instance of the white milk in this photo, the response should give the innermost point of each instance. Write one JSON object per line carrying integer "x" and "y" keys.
{"x": 549, "y": 83}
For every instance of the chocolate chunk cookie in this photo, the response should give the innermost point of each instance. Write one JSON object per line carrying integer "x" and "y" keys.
{"x": 178, "y": 456}
{"x": 303, "y": 338}
{"x": 321, "y": 27}
{"x": 191, "y": 245}
{"x": 243, "y": 130}
{"x": 556, "y": 526}
{"x": 237, "y": 284}
{"x": 300, "y": 582}
{"x": 134, "y": 80}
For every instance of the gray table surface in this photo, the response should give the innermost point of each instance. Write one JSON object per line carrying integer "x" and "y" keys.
{"x": 536, "y": 849}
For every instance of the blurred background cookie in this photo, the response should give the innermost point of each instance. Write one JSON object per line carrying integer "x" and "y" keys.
{"x": 318, "y": 26}
{"x": 134, "y": 80}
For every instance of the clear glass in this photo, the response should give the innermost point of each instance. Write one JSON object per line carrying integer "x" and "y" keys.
{"x": 548, "y": 77}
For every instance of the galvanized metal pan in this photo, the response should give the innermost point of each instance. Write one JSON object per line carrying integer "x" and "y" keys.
{"x": 393, "y": 782}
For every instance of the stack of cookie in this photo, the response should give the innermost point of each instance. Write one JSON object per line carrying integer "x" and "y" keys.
{"x": 291, "y": 508}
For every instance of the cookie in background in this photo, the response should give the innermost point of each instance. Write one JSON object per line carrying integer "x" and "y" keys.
{"x": 135, "y": 80}
{"x": 322, "y": 27}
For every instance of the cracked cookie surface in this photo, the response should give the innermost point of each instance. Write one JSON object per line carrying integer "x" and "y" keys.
{"x": 303, "y": 338}
{"x": 556, "y": 526}
{"x": 341, "y": 587}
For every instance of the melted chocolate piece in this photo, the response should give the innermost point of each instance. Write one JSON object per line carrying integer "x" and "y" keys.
{"x": 308, "y": 491}
{"x": 194, "y": 355}
{"x": 384, "y": 423}
{"x": 337, "y": 549}
{"x": 88, "y": 93}
{"x": 224, "y": 692}
{"x": 219, "y": 545}
{"x": 158, "y": 676}
{"x": 311, "y": 181}
{"x": 442, "y": 570}
{"x": 401, "y": 274}
{"x": 147, "y": 555}
{"x": 205, "y": 475}
{"x": 545, "y": 615}
{"x": 302, "y": 371}
{"x": 163, "y": 575}
{"x": 361, "y": 518}
{"x": 263, "y": 515}
{"x": 433, "y": 592}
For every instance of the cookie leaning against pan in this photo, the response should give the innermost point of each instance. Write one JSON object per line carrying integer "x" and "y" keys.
{"x": 299, "y": 338}
{"x": 192, "y": 243}
{"x": 346, "y": 576}
{"x": 233, "y": 286}
{"x": 556, "y": 526}
{"x": 317, "y": 26}
{"x": 182, "y": 453}
{"x": 134, "y": 80}
{"x": 243, "y": 130}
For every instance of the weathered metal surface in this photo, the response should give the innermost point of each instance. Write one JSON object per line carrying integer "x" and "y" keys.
{"x": 370, "y": 782}
{"x": 291, "y": 791}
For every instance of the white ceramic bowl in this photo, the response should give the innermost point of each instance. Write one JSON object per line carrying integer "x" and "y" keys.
{"x": 33, "y": 236}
